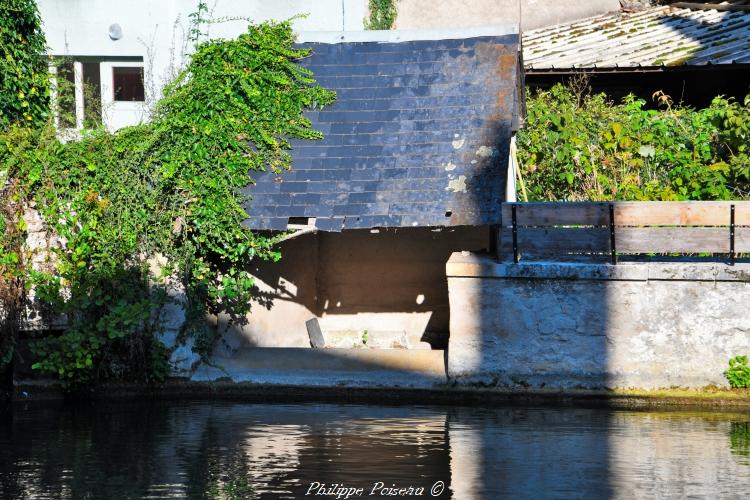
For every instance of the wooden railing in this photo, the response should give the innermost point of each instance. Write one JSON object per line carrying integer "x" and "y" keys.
{"x": 533, "y": 231}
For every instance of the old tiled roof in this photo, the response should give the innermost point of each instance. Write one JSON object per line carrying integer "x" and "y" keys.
{"x": 659, "y": 36}
{"x": 418, "y": 135}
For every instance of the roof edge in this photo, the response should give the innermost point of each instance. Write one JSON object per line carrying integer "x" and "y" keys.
{"x": 395, "y": 36}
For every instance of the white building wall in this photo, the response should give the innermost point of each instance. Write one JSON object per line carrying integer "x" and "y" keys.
{"x": 157, "y": 31}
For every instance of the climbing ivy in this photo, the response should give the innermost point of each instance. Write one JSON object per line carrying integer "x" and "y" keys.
{"x": 24, "y": 99}
{"x": 156, "y": 211}
{"x": 24, "y": 86}
{"x": 382, "y": 14}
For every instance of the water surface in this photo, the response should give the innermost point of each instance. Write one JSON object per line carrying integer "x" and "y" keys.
{"x": 236, "y": 450}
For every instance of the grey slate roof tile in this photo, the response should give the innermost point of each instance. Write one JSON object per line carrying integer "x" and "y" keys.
{"x": 402, "y": 141}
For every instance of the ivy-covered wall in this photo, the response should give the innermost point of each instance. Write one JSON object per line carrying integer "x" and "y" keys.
{"x": 24, "y": 102}
{"x": 157, "y": 206}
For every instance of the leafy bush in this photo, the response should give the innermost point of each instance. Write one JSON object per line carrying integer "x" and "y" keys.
{"x": 738, "y": 374}
{"x": 583, "y": 147}
{"x": 168, "y": 189}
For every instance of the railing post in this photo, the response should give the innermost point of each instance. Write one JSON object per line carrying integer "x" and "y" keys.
{"x": 612, "y": 242}
{"x": 515, "y": 233}
{"x": 732, "y": 256}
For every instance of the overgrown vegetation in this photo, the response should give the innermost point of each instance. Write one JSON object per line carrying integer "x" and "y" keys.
{"x": 24, "y": 100}
{"x": 154, "y": 211}
{"x": 382, "y": 14}
{"x": 577, "y": 146}
{"x": 738, "y": 374}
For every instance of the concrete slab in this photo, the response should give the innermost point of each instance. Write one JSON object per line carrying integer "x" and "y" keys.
{"x": 329, "y": 367}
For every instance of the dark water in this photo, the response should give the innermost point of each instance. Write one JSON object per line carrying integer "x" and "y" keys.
{"x": 233, "y": 450}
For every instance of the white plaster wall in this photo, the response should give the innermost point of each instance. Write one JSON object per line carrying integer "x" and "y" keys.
{"x": 430, "y": 14}
{"x": 157, "y": 30}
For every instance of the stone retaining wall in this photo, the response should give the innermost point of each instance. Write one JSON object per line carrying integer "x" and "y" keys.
{"x": 557, "y": 325}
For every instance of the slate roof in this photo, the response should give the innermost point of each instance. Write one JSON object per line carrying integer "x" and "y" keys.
{"x": 418, "y": 136}
{"x": 657, "y": 37}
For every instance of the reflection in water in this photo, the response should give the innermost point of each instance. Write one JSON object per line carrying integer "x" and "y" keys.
{"x": 739, "y": 441}
{"x": 232, "y": 450}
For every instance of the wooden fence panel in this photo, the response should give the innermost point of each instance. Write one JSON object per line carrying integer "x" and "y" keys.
{"x": 672, "y": 239}
{"x": 628, "y": 213}
{"x": 640, "y": 228}
{"x": 561, "y": 240}
{"x": 557, "y": 214}
{"x": 680, "y": 213}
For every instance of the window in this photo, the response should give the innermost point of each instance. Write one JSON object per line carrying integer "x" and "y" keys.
{"x": 92, "y": 94}
{"x": 128, "y": 83}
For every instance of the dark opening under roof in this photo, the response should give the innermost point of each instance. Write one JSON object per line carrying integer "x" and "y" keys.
{"x": 418, "y": 136}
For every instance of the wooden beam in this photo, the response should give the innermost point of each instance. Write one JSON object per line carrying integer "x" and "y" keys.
{"x": 557, "y": 214}
{"x": 710, "y": 6}
{"x": 677, "y": 213}
{"x": 629, "y": 213}
{"x": 630, "y": 240}
{"x": 558, "y": 240}
{"x": 672, "y": 240}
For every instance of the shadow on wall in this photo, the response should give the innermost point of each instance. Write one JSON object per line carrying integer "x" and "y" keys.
{"x": 389, "y": 283}
{"x": 570, "y": 325}
{"x": 529, "y": 333}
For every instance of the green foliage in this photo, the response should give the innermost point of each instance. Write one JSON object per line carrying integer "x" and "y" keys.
{"x": 24, "y": 85}
{"x": 197, "y": 20}
{"x": 156, "y": 209}
{"x": 24, "y": 98}
{"x": 738, "y": 374}
{"x": 584, "y": 147}
{"x": 382, "y": 14}
{"x": 11, "y": 274}
{"x": 233, "y": 488}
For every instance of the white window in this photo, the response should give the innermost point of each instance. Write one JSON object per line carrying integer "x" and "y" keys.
{"x": 89, "y": 91}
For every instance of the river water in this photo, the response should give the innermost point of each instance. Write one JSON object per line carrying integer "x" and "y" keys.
{"x": 237, "y": 450}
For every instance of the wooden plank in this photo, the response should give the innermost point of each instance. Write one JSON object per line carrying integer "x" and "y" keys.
{"x": 672, "y": 239}
{"x": 557, "y": 214}
{"x": 628, "y": 213}
{"x": 680, "y": 213}
{"x": 562, "y": 240}
{"x": 629, "y": 240}
{"x": 741, "y": 240}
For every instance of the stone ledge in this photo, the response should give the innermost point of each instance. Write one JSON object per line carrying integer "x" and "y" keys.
{"x": 328, "y": 367}
{"x": 472, "y": 265}
{"x": 43, "y": 392}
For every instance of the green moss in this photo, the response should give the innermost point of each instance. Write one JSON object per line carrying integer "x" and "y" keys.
{"x": 706, "y": 393}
